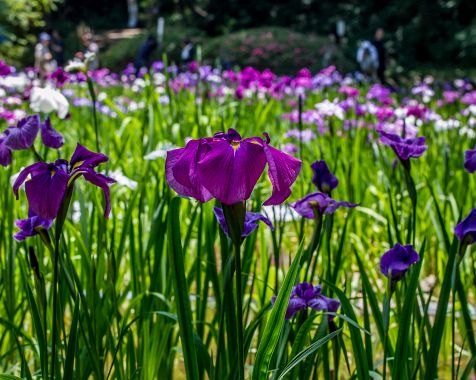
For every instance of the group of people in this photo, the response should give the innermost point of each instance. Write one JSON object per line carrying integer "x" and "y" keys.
{"x": 371, "y": 57}
{"x": 49, "y": 52}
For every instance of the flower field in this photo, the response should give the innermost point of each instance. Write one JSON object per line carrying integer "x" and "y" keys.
{"x": 209, "y": 224}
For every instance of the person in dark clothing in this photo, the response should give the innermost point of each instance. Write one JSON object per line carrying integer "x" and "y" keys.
{"x": 57, "y": 47}
{"x": 382, "y": 54}
{"x": 144, "y": 53}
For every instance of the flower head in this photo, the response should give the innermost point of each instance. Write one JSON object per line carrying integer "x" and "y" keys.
{"x": 23, "y": 135}
{"x": 31, "y": 226}
{"x": 251, "y": 222}
{"x": 470, "y": 160}
{"x": 48, "y": 183}
{"x": 318, "y": 204}
{"x": 305, "y": 295}
{"x": 395, "y": 262}
{"x": 227, "y": 167}
{"x": 323, "y": 178}
{"x": 404, "y": 148}
{"x": 466, "y": 229}
{"x": 47, "y": 100}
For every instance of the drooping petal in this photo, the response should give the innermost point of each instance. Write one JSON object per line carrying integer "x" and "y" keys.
{"x": 5, "y": 153}
{"x": 24, "y": 134}
{"x": 294, "y": 305}
{"x": 396, "y": 261}
{"x": 334, "y": 205}
{"x": 251, "y": 222}
{"x": 230, "y": 170}
{"x": 45, "y": 191}
{"x": 32, "y": 170}
{"x": 283, "y": 170}
{"x": 30, "y": 226}
{"x": 182, "y": 173}
{"x": 102, "y": 181}
{"x": 86, "y": 158}
{"x": 470, "y": 160}
{"x": 50, "y": 136}
{"x": 466, "y": 229}
{"x": 317, "y": 304}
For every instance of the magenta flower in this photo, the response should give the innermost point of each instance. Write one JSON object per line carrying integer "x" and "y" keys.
{"x": 396, "y": 261}
{"x": 305, "y": 296}
{"x": 251, "y": 222}
{"x": 470, "y": 160}
{"x": 317, "y": 204}
{"x": 323, "y": 178}
{"x": 31, "y": 226}
{"x": 227, "y": 168}
{"x": 466, "y": 229}
{"x": 404, "y": 148}
{"x": 48, "y": 183}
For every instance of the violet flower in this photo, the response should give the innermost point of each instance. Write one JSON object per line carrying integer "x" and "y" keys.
{"x": 251, "y": 222}
{"x": 5, "y": 152}
{"x": 49, "y": 182}
{"x": 404, "y": 148}
{"x": 323, "y": 178}
{"x": 317, "y": 204}
{"x": 395, "y": 262}
{"x": 23, "y": 135}
{"x": 227, "y": 168}
{"x": 31, "y": 226}
{"x": 470, "y": 160}
{"x": 466, "y": 229}
{"x": 305, "y": 296}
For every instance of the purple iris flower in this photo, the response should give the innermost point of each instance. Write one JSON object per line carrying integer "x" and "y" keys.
{"x": 23, "y": 135}
{"x": 5, "y": 152}
{"x": 251, "y": 222}
{"x": 48, "y": 183}
{"x": 227, "y": 167}
{"x": 470, "y": 160}
{"x": 31, "y": 226}
{"x": 305, "y": 295}
{"x": 466, "y": 230}
{"x": 396, "y": 261}
{"x": 323, "y": 177}
{"x": 404, "y": 148}
{"x": 318, "y": 203}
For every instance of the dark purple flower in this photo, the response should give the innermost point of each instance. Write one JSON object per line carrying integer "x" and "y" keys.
{"x": 50, "y": 136}
{"x": 5, "y": 153}
{"x": 466, "y": 229}
{"x": 305, "y": 295}
{"x": 323, "y": 177}
{"x": 404, "y": 148}
{"x": 319, "y": 203}
{"x": 396, "y": 261}
{"x": 47, "y": 186}
{"x": 470, "y": 160}
{"x": 251, "y": 222}
{"x": 227, "y": 167}
{"x": 31, "y": 226}
{"x": 23, "y": 135}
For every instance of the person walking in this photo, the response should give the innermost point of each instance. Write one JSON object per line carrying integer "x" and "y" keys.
{"x": 379, "y": 45}
{"x": 44, "y": 61}
{"x": 57, "y": 47}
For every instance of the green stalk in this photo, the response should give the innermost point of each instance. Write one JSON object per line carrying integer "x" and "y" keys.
{"x": 239, "y": 313}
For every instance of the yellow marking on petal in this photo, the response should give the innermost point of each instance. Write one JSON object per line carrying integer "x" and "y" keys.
{"x": 77, "y": 164}
{"x": 53, "y": 172}
{"x": 235, "y": 145}
{"x": 255, "y": 142}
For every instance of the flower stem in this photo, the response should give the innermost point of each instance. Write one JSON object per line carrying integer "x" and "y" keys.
{"x": 239, "y": 313}
{"x": 95, "y": 117}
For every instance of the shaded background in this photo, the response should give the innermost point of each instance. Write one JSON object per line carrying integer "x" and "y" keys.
{"x": 419, "y": 33}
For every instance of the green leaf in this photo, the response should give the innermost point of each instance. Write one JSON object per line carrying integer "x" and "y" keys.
{"x": 274, "y": 326}
{"x": 182, "y": 299}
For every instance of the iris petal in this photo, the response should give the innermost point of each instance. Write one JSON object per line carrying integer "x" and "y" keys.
{"x": 87, "y": 158}
{"x": 102, "y": 181}
{"x": 182, "y": 173}
{"x": 50, "y": 136}
{"x": 24, "y": 134}
{"x": 283, "y": 170}
{"x": 230, "y": 171}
